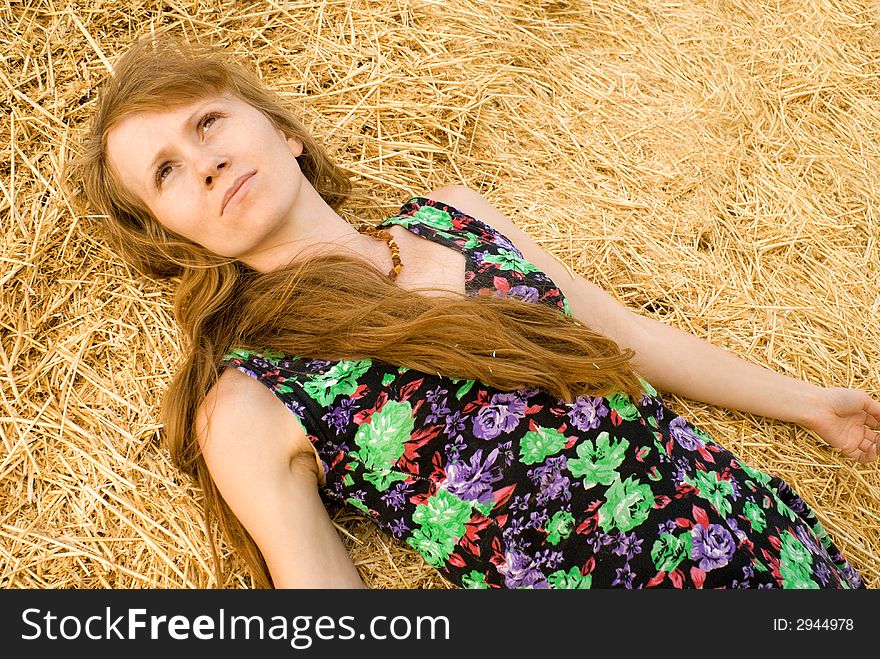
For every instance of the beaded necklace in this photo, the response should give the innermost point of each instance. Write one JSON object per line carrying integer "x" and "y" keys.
{"x": 388, "y": 238}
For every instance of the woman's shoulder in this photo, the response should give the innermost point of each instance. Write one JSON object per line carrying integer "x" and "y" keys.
{"x": 473, "y": 204}
{"x": 470, "y": 202}
{"x": 238, "y": 409}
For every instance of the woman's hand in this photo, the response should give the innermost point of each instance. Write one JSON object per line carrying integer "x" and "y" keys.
{"x": 849, "y": 420}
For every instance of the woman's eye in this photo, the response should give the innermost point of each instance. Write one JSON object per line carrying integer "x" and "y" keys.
{"x": 208, "y": 120}
{"x": 162, "y": 173}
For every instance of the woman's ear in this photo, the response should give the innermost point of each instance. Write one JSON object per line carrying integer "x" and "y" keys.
{"x": 294, "y": 144}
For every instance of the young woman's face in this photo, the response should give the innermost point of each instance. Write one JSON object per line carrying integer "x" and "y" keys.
{"x": 216, "y": 171}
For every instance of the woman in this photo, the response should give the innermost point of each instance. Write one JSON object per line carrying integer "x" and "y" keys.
{"x": 440, "y": 373}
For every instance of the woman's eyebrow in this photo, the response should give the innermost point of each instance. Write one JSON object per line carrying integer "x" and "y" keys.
{"x": 162, "y": 153}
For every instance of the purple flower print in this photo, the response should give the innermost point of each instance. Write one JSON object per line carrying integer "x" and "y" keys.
{"x": 316, "y": 365}
{"x": 455, "y": 423}
{"x": 538, "y": 519}
{"x": 434, "y": 395}
{"x": 398, "y": 527}
{"x": 823, "y": 574}
{"x": 549, "y": 558}
{"x": 454, "y": 449}
{"x": 489, "y": 422}
{"x": 684, "y": 435}
{"x": 453, "y": 453}
{"x": 253, "y": 374}
{"x": 667, "y": 526}
{"x": 397, "y": 495}
{"x": 500, "y": 241}
{"x": 516, "y": 401}
{"x": 473, "y": 480}
{"x": 849, "y": 574}
{"x": 514, "y": 528}
{"x": 296, "y": 407}
{"x": 587, "y": 412}
{"x": 550, "y": 481}
{"x": 624, "y": 576}
{"x": 524, "y": 293}
{"x": 737, "y": 490}
{"x": 734, "y": 526}
{"x": 438, "y": 411}
{"x": 478, "y": 259}
{"x": 599, "y": 540}
{"x": 808, "y": 540}
{"x": 712, "y": 546}
{"x": 792, "y": 500}
{"x": 339, "y": 416}
{"x": 628, "y": 545}
{"x": 520, "y": 571}
{"x": 683, "y": 470}
{"x": 520, "y": 502}
{"x": 502, "y": 414}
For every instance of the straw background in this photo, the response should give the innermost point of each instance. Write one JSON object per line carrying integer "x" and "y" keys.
{"x": 713, "y": 164}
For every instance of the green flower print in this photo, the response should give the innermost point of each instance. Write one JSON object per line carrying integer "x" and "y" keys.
{"x": 380, "y": 442}
{"x": 472, "y": 242}
{"x": 537, "y": 445}
{"x": 463, "y": 389}
{"x": 342, "y": 378}
{"x": 627, "y": 505}
{"x": 795, "y": 564}
{"x": 760, "y": 476}
{"x": 668, "y": 551}
{"x": 357, "y": 503}
{"x": 598, "y": 460}
{"x": 783, "y": 509}
{"x": 507, "y": 260}
{"x": 559, "y": 527}
{"x": 269, "y": 355}
{"x": 573, "y": 579}
{"x": 429, "y": 216}
{"x": 433, "y": 544}
{"x": 623, "y": 405}
{"x": 821, "y": 534}
{"x": 647, "y": 387}
{"x": 474, "y": 580}
{"x": 755, "y": 515}
{"x": 713, "y": 489}
{"x": 441, "y": 521}
{"x": 238, "y": 353}
{"x": 566, "y": 309}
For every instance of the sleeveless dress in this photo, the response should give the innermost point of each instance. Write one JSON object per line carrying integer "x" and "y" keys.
{"x": 517, "y": 489}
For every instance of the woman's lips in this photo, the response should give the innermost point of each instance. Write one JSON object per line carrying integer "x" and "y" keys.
{"x": 236, "y": 191}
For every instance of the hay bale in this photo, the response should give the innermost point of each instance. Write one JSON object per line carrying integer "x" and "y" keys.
{"x": 714, "y": 166}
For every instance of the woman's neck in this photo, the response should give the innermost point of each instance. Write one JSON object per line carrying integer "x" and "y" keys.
{"x": 315, "y": 228}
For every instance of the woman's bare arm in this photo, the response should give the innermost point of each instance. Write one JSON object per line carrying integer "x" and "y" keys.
{"x": 266, "y": 471}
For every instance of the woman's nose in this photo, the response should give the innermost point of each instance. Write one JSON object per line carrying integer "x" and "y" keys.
{"x": 212, "y": 168}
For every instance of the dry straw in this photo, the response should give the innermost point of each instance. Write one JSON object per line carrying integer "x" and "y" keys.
{"x": 712, "y": 164}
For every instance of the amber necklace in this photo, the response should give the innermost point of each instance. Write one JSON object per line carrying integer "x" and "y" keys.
{"x": 388, "y": 238}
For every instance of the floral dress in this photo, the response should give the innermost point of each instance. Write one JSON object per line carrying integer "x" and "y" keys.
{"x": 517, "y": 489}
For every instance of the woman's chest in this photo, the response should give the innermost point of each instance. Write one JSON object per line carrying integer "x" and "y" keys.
{"x": 427, "y": 264}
